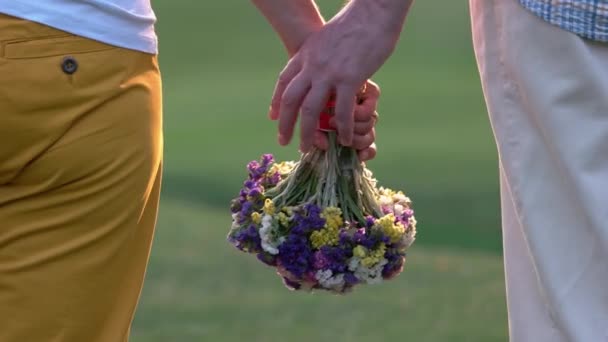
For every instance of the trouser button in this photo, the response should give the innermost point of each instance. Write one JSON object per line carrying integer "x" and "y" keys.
{"x": 69, "y": 65}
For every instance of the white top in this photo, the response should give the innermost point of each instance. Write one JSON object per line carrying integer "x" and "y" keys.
{"x": 124, "y": 23}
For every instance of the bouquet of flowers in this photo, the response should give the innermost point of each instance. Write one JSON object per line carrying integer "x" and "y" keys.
{"x": 322, "y": 222}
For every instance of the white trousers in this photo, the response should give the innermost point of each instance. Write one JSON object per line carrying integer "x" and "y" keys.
{"x": 547, "y": 94}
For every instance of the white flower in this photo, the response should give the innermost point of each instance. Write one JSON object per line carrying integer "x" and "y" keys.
{"x": 235, "y": 224}
{"x": 412, "y": 221}
{"x": 353, "y": 264}
{"x": 323, "y": 275}
{"x": 369, "y": 275}
{"x": 401, "y": 199}
{"x": 330, "y": 281}
{"x": 385, "y": 201}
{"x": 270, "y": 242}
{"x": 398, "y": 209}
{"x": 267, "y": 221}
{"x": 409, "y": 238}
{"x": 336, "y": 282}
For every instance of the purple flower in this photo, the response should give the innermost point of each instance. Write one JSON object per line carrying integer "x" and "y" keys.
{"x": 245, "y": 213}
{"x": 405, "y": 217}
{"x": 369, "y": 221}
{"x": 250, "y": 184}
{"x": 335, "y": 258}
{"x": 253, "y": 166}
{"x": 407, "y": 213}
{"x": 247, "y": 240}
{"x": 267, "y": 159}
{"x": 272, "y": 181}
{"x": 295, "y": 255}
{"x": 257, "y": 170}
{"x": 350, "y": 279}
{"x": 394, "y": 265}
{"x": 367, "y": 239}
{"x": 321, "y": 261}
{"x": 268, "y": 259}
{"x": 308, "y": 221}
{"x": 359, "y": 235}
{"x": 255, "y": 192}
{"x": 345, "y": 239}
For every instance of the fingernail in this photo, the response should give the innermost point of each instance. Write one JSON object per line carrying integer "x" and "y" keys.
{"x": 272, "y": 114}
{"x": 282, "y": 140}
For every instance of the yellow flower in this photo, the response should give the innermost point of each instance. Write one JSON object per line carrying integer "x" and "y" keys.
{"x": 333, "y": 218}
{"x": 324, "y": 237}
{"x": 269, "y": 207}
{"x": 391, "y": 229}
{"x": 370, "y": 257}
{"x": 283, "y": 219}
{"x": 360, "y": 252}
{"x": 282, "y": 168}
{"x": 330, "y": 235}
{"x": 374, "y": 256}
{"x": 386, "y": 192}
{"x": 256, "y": 217}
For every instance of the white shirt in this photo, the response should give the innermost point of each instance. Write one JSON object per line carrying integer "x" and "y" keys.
{"x": 124, "y": 23}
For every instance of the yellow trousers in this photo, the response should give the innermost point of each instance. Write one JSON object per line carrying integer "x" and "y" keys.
{"x": 80, "y": 170}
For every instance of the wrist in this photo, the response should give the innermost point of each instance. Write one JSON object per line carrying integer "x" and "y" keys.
{"x": 293, "y": 20}
{"x": 301, "y": 32}
{"x": 388, "y": 16}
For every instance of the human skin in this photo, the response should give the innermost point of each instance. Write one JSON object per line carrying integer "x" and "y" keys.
{"x": 334, "y": 57}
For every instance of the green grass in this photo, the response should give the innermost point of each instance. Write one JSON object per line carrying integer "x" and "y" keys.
{"x": 219, "y": 61}
{"x": 198, "y": 290}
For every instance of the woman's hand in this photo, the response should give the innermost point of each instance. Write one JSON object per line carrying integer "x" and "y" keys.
{"x": 365, "y": 118}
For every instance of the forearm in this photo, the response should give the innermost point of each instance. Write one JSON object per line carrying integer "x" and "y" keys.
{"x": 293, "y": 20}
{"x": 385, "y": 16}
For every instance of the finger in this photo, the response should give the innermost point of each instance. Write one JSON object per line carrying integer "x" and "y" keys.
{"x": 345, "y": 107}
{"x": 372, "y": 89}
{"x": 361, "y": 142}
{"x": 311, "y": 109}
{"x": 363, "y": 127}
{"x": 369, "y": 102}
{"x": 359, "y": 118}
{"x": 290, "y": 71}
{"x": 290, "y": 103}
{"x": 368, "y": 153}
{"x": 321, "y": 141}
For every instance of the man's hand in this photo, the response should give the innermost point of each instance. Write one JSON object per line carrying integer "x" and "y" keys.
{"x": 338, "y": 58}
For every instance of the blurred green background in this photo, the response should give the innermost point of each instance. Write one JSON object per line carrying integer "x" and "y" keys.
{"x": 220, "y": 61}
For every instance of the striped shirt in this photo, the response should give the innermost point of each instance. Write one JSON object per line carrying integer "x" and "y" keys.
{"x": 586, "y": 18}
